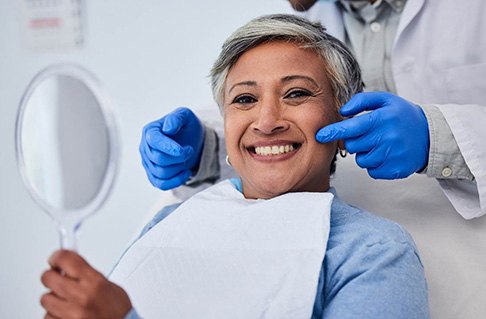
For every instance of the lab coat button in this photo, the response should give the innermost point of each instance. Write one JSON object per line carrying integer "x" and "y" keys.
{"x": 375, "y": 27}
{"x": 446, "y": 172}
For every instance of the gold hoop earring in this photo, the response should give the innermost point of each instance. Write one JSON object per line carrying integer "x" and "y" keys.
{"x": 228, "y": 161}
{"x": 343, "y": 153}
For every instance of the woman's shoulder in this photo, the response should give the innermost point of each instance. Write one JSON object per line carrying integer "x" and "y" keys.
{"x": 371, "y": 263}
{"x": 364, "y": 227}
{"x": 360, "y": 241}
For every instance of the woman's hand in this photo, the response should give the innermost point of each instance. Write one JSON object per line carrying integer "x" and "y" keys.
{"x": 77, "y": 290}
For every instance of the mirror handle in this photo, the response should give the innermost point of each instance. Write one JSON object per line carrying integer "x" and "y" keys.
{"x": 68, "y": 236}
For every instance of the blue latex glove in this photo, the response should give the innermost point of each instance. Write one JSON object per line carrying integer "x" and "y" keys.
{"x": 171, "y": 148}
{"x": 391, "y": 141}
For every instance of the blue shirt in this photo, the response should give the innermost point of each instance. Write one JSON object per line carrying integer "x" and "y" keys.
{"x": 371, "y": 268}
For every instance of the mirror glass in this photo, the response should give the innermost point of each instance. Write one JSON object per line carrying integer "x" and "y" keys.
{"x": 66, "y": 145}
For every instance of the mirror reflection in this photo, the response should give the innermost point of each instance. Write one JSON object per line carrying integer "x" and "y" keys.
{"x": 66, "y": 145}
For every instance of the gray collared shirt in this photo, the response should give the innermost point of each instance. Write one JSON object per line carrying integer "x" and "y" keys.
{"x": 370, "y": 33}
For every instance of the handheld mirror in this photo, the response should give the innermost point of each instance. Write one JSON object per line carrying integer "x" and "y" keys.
{"x": 67, "y": 145}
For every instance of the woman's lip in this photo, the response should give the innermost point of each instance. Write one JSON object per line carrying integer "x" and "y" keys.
{"x": 273, "y": 158}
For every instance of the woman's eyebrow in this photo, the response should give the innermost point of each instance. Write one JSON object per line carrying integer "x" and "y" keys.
{"x": 244, "y": 83}
{"x": 289, "y": 78}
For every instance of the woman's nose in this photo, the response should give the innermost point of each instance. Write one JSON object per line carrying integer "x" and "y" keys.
{"x": 270, "y": 118}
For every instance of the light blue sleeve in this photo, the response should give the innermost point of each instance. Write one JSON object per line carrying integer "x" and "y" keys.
{"x": 132, "y": 314}
{"x": 383, "y": 280}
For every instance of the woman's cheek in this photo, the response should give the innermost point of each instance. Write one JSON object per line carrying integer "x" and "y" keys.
{"x": 233, "y": 136}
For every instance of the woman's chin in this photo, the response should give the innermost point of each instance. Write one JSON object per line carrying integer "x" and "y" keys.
{"x": 267, "y": 189}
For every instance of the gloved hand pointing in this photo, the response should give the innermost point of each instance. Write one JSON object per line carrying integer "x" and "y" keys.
{"x": 391, "y": 141}
{"x": 171, "y": 148}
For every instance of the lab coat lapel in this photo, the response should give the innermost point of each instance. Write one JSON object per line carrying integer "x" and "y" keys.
{"x": 329, "y": 15}
{"x": 410, "y": 11}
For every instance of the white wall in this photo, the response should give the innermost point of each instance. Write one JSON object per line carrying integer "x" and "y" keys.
{"x": 151, "y": 56}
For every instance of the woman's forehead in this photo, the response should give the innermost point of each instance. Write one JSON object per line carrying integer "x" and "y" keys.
{"x": 277, "y": 60}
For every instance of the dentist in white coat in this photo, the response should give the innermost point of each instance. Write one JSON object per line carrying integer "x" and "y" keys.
{"x": 431, "y": 54}
{"x": 438, "y": 60}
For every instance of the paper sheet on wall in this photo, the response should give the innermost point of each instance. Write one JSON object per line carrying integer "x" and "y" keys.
{"x": 51, "y": 24}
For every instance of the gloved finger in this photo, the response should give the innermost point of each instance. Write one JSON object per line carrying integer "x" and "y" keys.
{"x": 386, "y": 172}
{"x": 176, "y": 120}
{"x": 366, "y": 101}
{"x": 175, "y": 181}
{"x": 371, "y": 159}
{"x": 167, "y": 184}
{"x": 346, "y": 129}
{"x": 362, "y": 144}
{"x": 163, "y": 159}
{"x": 157, "y": 140}
{"x": 152, "y": 179}
{"x": 164, "y": 172}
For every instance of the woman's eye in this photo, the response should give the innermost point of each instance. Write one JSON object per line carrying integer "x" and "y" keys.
{"x": 295, "y": 94}
{"x": 244, "y": 99}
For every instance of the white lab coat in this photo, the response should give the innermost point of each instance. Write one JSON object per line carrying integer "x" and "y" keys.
{"x": 439, "y": 57}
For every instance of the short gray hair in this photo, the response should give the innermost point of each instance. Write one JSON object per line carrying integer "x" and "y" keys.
{"x": 342, "y": 68}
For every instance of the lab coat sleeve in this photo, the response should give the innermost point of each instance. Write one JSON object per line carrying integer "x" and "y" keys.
{"x": 467, "y": 124}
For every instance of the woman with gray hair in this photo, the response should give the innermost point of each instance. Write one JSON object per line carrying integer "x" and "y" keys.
{"x": 276, "y": 242}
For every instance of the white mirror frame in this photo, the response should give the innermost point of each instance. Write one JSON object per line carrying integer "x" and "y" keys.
{"x": 80, "y": 73}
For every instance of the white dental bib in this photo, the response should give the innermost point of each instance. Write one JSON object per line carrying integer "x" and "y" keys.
{"x": 219, "y": 255}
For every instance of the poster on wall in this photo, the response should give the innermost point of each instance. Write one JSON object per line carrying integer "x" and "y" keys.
{"x": 51, "y": 24}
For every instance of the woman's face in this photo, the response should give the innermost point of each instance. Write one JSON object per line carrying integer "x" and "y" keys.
{"x": 276, "y": 97}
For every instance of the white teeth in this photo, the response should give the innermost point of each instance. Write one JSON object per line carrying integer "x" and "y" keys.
{"x": 273, "y": 150}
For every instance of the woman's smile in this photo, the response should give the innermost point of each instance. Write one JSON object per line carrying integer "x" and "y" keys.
{"x": 273, "y": 150}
